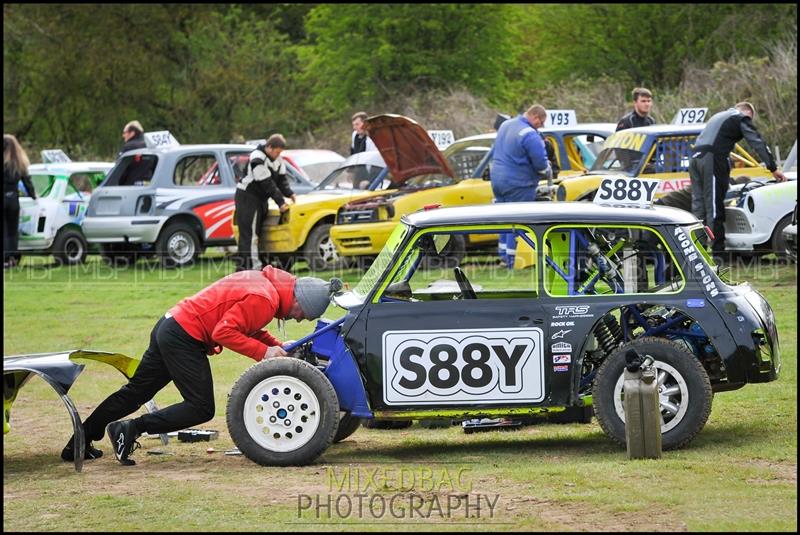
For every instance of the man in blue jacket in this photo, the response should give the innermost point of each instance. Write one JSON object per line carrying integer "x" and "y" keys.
{"x": 519, "y": 161}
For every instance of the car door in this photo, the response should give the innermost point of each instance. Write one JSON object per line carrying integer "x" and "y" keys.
{"x": 436, "y": 339}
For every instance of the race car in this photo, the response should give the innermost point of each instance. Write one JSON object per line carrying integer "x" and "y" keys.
{"x": 51, "y": 224}
{"x": 170, "y": 200}
{"x": 363, "y": 225}
{"x": 423, "y": 341}
{"x": 659, "y": 151}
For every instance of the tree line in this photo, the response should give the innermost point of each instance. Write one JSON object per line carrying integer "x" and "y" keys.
{"x": 74, "y": 74}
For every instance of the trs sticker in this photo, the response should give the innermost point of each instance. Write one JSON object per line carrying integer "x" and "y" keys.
{"x": 691, "y": 254}
{"x": 458, "y": 366}
{"x": 572, "y": 311}
{"x": 561, "y": 347}
{"x": 561, "y": 368}
{"x": 561, "y": 333}
{"x": 562, "y": 359}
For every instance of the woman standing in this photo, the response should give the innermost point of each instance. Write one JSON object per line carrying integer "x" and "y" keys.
{"x": 15, "y": 168}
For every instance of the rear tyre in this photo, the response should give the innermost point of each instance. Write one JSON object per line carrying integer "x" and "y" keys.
{"x": 778, "y": 243}
{"x": 70, "y": 247}
{"x": 283, "y": 412}
{"x": 684, "y": 392}
{"x": 320, "y": 252}
{"x": 178, "y": 246}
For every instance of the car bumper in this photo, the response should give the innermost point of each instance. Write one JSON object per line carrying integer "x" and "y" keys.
{"x": 361, "y": 239}
{"x": 790, "y": 237}
{"x": 122, "y": 229}
{"x": 740, "y": 232}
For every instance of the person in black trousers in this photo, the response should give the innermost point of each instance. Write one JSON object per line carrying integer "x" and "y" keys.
{"x": 15, "y": 168}
{"x": 265, "y": 179}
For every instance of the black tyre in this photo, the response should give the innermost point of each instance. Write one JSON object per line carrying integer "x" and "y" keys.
{"x": 282, "y": 412}
{"x": 387, "y": 424}
{"x": 684, "y": 392}
{"x": 572, "y": 415}
{"x": 178, "y": 245}
{"x": 119, "y": 254}
{"x": 70, "y": 247}
{"x": 319, "y": 251}
{"x": 348, "y": 424}
{"x": 778, "y": 243}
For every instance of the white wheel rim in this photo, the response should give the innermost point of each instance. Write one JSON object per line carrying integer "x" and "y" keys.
{"x": 282, "y": 421}
{"x": 673, "y": 396}
{"x": 180, "y": 247}
{"x": 327, "y": 250}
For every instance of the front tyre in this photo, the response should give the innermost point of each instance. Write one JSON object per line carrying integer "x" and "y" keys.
{"x": 282, "y": 412}
{"x": 178, "y": 245}
{"x": 70, "y": 247}
{"x": 684, "y": 392}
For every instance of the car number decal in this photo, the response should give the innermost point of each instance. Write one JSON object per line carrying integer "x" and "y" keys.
{"x": 626, "y": 191}
{"x": 447, "y": 367}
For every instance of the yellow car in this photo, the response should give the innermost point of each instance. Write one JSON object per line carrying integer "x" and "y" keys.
{"x": 363, "y": 225}
{"x": 658, "y": 151}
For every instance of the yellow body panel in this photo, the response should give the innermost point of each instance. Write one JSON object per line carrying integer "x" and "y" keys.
{"x": 361, "y": 239}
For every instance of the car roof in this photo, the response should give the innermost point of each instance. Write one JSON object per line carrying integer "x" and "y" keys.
{"x": 677, "y": 129}
{"x": 371, "y": 157}
{"x": 69, "y": 167}
{"x": 549, "y": 212}
{"x": 312, "y": 156}
{"x": 186, "y": 148}
{"x": 589, "y": 128}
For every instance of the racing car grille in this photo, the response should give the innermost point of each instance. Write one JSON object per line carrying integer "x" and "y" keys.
{"x": 356, "y": 216}
{"x": 352, "y": 243}
{"x": 736, "y": 221}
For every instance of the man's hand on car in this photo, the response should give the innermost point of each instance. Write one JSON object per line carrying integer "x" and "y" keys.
{"x": 283, "y": 207}
{"x": 274, "y": 351}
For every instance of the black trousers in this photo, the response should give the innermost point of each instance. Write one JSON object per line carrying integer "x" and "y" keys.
{"x": 174, "y": 356}
{"x": 10, "y": 225}
{"x": 250, "y": 214}
{"x": 711, "y": 177}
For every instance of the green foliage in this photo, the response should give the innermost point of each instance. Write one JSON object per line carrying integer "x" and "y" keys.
{"x": 74, "y": 74}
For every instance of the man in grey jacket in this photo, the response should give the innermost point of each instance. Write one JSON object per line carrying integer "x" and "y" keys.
{"x": 710, "y": 168}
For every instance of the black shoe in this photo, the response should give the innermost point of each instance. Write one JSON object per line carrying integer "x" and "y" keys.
{"x": 123, "y": 437}
{"x": 68, "y": 453}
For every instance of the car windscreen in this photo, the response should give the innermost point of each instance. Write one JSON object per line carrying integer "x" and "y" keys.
{"x": 625, "y": 161}
{"x": 351, "y": 177}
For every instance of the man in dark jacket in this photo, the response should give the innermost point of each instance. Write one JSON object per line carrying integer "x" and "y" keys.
{"x": 640, "y": 114}
{"x": 133, "y": 134}
{"x": 710, "y": 167}
{"x": 229, "y": 313}
{"x": 265, "y": 179}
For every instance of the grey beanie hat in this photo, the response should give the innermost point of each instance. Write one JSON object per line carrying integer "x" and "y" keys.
{"x": 314, "y": 295}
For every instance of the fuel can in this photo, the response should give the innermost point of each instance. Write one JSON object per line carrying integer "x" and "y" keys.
{"x": 642, "y": 411}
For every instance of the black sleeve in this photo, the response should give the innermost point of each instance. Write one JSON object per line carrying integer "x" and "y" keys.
{"x": 283, "y": 184}
{"x": 26, "y": 181}
{"x": 551, "y": 156}
{"x": 757, "y": 143}
{"x": 273, "y": 192}
{"x": 624, "y": 123}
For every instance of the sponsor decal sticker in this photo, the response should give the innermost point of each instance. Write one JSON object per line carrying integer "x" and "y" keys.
{"x": 572, "y": 311}
{"x": 695, "y": 303}
{"x": 691, "y": 254}
{"x": 562, "y": 324}
{"x": 561, "y": 333}
{"x": 562, "y": 359}
{"x": 561, "y": 368}
{"x": 561, "y": 347}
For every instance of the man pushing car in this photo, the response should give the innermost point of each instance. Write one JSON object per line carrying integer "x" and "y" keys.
{"x": 230, "y": 313}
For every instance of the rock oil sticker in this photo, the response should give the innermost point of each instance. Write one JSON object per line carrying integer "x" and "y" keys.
{"x": 449, "y": 367}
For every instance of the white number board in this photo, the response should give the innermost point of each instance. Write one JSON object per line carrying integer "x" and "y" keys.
{"x": 442, "y": 138}
{"x": 162, "y": 138}
{"x": 448, "y": 367}
{"x": 256, "y": 141}
{"x": 560, "y": 118}
{"x": 625, "y": 191}
{"x": 690, "y": 116}
{"x": 54, "y": 156}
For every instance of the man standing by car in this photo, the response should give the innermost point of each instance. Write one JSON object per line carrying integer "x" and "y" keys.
{"x": 133, "y": 134}
{"x": 229, "y": 313}
{"x": 710, "y": 167}
{"x": 640, "y": 114}
{"x": 265, "y": 179}
{"x": 360, "y": 141}
{"x": 519, "y": 161}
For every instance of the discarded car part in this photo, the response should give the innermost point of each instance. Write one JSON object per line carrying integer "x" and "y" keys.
{"x": 197, "y": 435}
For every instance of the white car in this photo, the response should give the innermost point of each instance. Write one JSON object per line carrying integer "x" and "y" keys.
{"x": 759, "y": 211}
{"x": 51, "y": 224}
{"x": 315, "y": 163}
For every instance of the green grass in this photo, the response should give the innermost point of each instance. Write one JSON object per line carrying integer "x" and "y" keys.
{"x": 739, "y": 473}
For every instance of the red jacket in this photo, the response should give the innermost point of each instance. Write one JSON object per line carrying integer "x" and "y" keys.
{"x": 232, "y": 311}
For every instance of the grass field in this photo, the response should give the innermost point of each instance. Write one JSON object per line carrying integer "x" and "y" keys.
{"x": 739, "y": 474}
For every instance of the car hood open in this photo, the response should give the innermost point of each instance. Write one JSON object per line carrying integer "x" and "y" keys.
{"x": 406, "y": 147}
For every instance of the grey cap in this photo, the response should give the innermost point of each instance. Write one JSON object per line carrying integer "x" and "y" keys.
{"x": 314, "y": 295}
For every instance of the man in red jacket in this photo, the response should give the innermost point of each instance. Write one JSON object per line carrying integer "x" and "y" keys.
{"x": 230, "y": 313}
